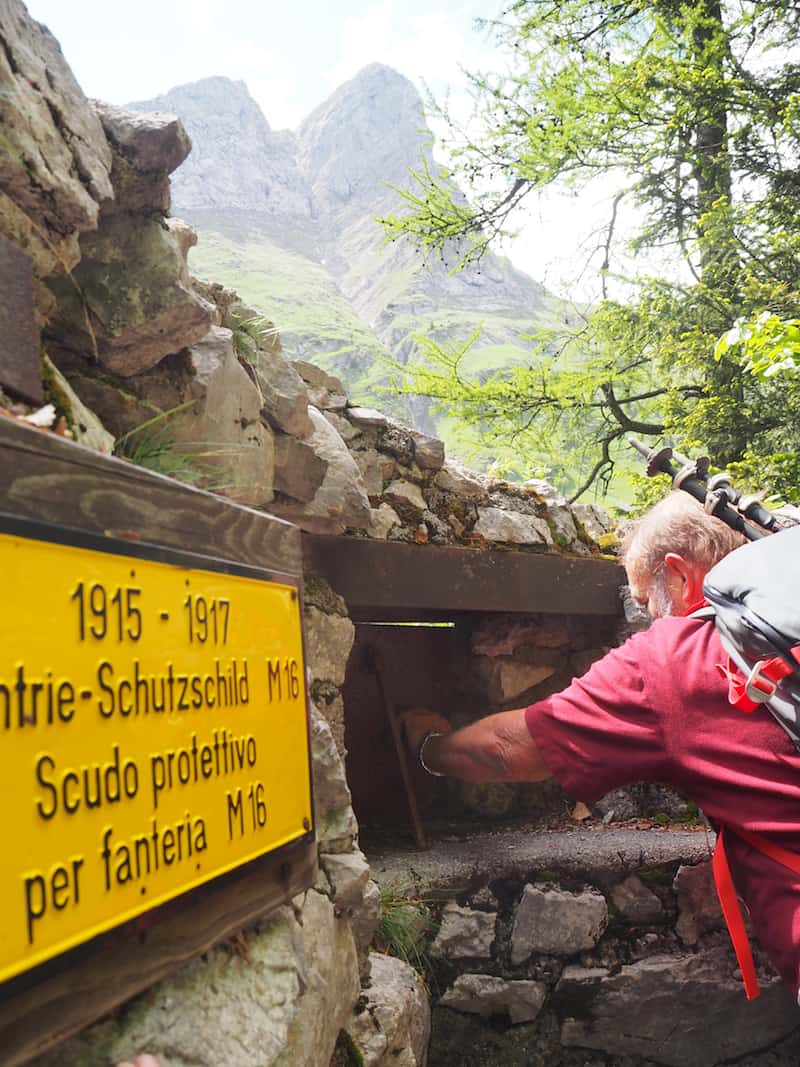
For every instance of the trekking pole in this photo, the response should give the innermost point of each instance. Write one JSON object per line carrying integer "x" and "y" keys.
{"x": 720, "y": 488}
{"x": 749, "y": 506}
{"x": 692, "y": 477}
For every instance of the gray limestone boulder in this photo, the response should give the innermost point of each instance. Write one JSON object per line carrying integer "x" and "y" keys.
{"x": 464, "y": 933}
{"x": 331, "y": 792}
{"x": 341, "y": 500}
{"x": 331, "y": 705}
{"x": 392, "y": 1026}
{"x": 125, "y": 305}
{"x": 280, "y": 1006}
{"x": 428, "y": 452}
{"x": 511, "y": 527}
{"x": 346, "y": 430}
{"x": 329, "y": 639}
{"x": 594, "y": 520}
{"x": 453, "y": 478}
{"x": 563, "y": 525}
{"x": 152, "y": 141}
{"x": 336, "y": 824}
{"x": 367, "y": 417}
{"x": 147, "y": 148}
{"x": 299, "y": 470}
{"x": 186, "y": 238}
{"x": 557, "y": 923}
{"x": 376, "y": 469}
{"x": 483, "y": 994}
{"x": 348, "y": 874}
{"x": 634, "y": 1012}
{"x": 698, "y": 904}
{"x": 224, "y": 426}
{"x": 55, "y": 162}
{"x": 546, "y": 491}
{"x": 635, "y": 902}
{"x": 366, "y": 919}
{"x": 285, "y": 393}
{"x": 405, "y": 494}
{"x": 382, "y": 521}
{"x": 397, "y": 441}
{"x": 324, "y": 390}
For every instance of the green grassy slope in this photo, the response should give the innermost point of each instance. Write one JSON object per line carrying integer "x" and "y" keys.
{"x": 317, "y": 323}
{"x": 297, "y": 294}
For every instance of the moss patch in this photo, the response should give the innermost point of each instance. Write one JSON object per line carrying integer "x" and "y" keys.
{"x": 346, "y": 1053}
{"x": 55, "y": 394}
{"x": 318, "y": 594}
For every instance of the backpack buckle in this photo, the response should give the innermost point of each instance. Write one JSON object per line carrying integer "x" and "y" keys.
{"x": 758, "y": 686}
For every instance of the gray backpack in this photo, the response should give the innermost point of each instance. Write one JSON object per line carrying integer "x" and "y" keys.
{"x": 754, "y": 598}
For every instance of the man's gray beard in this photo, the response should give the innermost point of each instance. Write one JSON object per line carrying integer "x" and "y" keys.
{"x": 661, "y": 598}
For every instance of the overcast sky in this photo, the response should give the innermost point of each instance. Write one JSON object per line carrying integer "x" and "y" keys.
{"x": 292, "y": 56}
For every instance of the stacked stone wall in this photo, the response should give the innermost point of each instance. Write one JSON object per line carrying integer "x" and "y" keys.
{"x": 559, "y": 951}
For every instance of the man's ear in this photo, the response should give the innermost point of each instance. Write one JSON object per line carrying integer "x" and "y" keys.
{"x": 691, "y": 578}
{"x": 677, "y": 564}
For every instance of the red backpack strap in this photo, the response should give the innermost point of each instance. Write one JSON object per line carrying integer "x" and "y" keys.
{"x": 730, "y": 904}
{"x": 733, "y": 917}
{"x": 769, "y": 848}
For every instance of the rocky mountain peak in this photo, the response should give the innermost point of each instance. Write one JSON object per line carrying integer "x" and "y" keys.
{"x": 338, "y": 165}
{"x": 367, "y": 133}
{"x": 237, "y": 162}
{"x": 289, "y": 219}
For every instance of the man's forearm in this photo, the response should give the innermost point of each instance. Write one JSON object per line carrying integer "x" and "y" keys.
{"x": 498, "y": 748}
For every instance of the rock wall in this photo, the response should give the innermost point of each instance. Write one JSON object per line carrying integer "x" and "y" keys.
{"x": 55, "y": 161}
{"x": 511, "y": 661}
{"x": 598, "y": 949}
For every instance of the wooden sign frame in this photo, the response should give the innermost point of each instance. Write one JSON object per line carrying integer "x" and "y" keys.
{"x": 47, "y": 479}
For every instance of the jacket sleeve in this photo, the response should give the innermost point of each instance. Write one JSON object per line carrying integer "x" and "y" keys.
{"x": 602, "y": 731}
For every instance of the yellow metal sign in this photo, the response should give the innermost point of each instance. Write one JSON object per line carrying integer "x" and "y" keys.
{"x": 153, "y": 733}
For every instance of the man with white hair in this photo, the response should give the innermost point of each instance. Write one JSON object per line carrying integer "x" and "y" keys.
{"x": 656, "y": 709}
{"x": 669, "y": 551}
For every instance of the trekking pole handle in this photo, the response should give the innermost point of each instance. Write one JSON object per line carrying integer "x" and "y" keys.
{"x": 691, "y": 479}
{"x": 750, "y": 506}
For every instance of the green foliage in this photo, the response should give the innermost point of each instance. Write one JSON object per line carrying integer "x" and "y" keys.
{"x": 455, "y": 219}
{"x": 769, "y": 344}
{"x": 249, "y": 333}
{"x": 403, "y": 929}
{"x": 152, "y": 445}
{"x": 776, "y": 476}
{"x": 647, "y": 492}
{"x": 692, "y": 109}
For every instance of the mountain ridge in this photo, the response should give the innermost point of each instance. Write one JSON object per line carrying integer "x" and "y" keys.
{"x": 288, "y": 218}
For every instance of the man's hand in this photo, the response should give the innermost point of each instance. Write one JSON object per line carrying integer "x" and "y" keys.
{"x": 141, "y": 1061}
{"x": 417, "y": 722}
